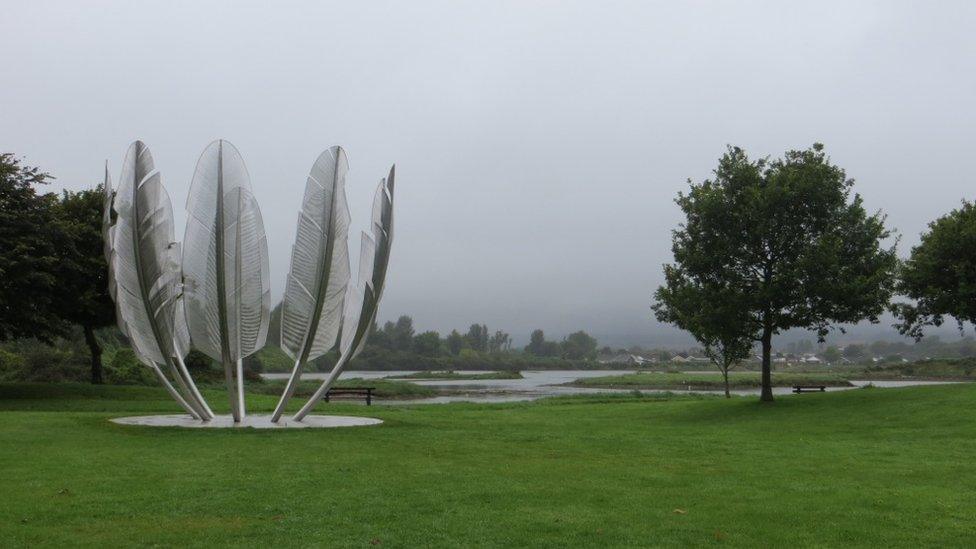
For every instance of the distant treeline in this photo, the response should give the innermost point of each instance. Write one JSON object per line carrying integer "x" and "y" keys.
{"x": 394, "y": 346}
{"x": 397, "y": 346}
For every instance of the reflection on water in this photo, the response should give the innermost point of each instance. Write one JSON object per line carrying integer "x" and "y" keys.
{"x": 544, "y": 383}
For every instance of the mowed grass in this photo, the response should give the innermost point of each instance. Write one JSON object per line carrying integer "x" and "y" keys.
{"x": 712, "y": 381}
{"x": 873, "y": 467}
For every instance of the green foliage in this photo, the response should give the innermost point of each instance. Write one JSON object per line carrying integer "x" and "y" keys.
{"x": 123, "y": 368}
{"x": 786, "y": 243}
{"x": 272, "y": 359}
{"x": 940, "y": 274}
{"x": 576, "y": 346}
{"x": 711, "y": 312}
{"x": 62, "y": 360}
{"x": 854, "y": 352}
{"x": 401, "y": 333}
{"x": 579, "y": 346}
{"x": 427, "y": 344}
{"x": 477, "y": 338}
{"x": 82, "y": 272}
{"x": 831, "y": 354}
{"x": 499, "y": 342}
{"x": 540, "y": 347}
{"x": 67, "y": 359}
{"x": 274, "y": 327}
{"x": 29, "y": 285}
{"x": 454, "y": 342}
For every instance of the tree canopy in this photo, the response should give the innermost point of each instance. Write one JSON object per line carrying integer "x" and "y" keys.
{"x": 712, "y": 314}
{"x": 940, "y": 274}
{"x": 29, "y": 285}
{"x": 82, "y": 272}
{"x": 785, "y": 243}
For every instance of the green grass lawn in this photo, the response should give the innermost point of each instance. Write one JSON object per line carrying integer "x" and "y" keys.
{"x": 873, "y": 467}
{"x": 451, "y": 375}
{"x": 712, "y": 381}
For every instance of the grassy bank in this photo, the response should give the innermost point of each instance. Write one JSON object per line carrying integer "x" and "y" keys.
{"x": 737, "y": 380}
{"x": 883, "y": 467}
{"x": 451, "y": 375}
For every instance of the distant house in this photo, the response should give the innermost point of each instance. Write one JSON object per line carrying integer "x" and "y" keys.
{"x": 810, "y": 358}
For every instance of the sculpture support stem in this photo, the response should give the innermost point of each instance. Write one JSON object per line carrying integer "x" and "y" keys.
{"x": 185, "y": 389}
{"x": 207, "y": 413}
{"x": 288, "y": 392}
{"x": 173, "y": 392}
{"x": 240, "y": 389}
{"x": 231, "y": 390}
{"x": 320, "y": 392}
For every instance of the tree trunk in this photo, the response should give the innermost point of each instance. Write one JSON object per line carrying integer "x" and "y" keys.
{"x": 96, "y": 355}
{"x": 767, "y": 378}
{"x": 725, "y": 375}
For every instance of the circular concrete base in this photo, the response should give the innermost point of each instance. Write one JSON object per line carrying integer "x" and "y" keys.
{"x": 259, "y": 421}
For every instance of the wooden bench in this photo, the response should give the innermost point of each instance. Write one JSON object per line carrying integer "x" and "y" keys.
{"x": 358, "y": 391}
{"x": 809, "y": 388}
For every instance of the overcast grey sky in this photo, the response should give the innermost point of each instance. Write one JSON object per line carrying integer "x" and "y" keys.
{"x": 539, "y": 145}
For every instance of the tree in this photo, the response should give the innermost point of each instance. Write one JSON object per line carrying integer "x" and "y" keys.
{"x": 831, "y": 354}
{"x": 82, "y": 290}
{"x": 787, "y": 242}
{"x": 499, "y": 342}
{"x": 427, "y": 343}
{"x": 455, "y": 342}
{"x": 854, "y": 352}
{"x": 940, "y": 274}
{"x": 477, "y": 338}
{"x": 381, "y": 337}
{"x": 713, "y": 316}
{"x": 274, "y": 326}
{"x": 28, "y": 258}
{"x": 537, "y": 344}
{"x": 579, "y": 345}
{"x": 402, "y": 333}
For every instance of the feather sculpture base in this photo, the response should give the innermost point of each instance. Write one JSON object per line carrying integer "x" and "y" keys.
{"x": 253, "y": 421}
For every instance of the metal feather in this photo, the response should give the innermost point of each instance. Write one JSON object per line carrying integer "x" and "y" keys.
{"x": 360, "y": 313}
{"x": 225, "y": 266}
{"x": 144, "y": 260}
{"x": 312, "y": 310}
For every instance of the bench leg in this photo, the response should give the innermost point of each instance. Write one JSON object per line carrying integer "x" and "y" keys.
{"x": 369, "y": 398}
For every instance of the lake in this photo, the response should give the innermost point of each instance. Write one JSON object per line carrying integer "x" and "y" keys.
{"x": 537, "y": 384}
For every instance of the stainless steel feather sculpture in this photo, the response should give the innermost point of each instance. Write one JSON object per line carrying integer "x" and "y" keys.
{"x": 225, "y": 266}
{"x": 360, "y": 313}
{"x": 215, "y": 292}
{"x": 144, "y": 261}
{"x": 311, "y": 313}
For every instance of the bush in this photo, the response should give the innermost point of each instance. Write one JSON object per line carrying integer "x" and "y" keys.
{"x": 11, "y": 366}
{"x": 123, "y": 368}
{"x": 36, "y": 361}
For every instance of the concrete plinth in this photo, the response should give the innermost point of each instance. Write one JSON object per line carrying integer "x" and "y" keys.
{"x": 257, "y": 421}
